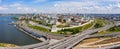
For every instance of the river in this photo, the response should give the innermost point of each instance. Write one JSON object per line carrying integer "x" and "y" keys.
{"x": 9, "y": 34}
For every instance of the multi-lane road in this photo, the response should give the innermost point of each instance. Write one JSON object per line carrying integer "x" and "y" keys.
{"x": 71, "y": 41}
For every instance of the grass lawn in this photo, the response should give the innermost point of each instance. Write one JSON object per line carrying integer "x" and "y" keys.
{"x": 39, "y": 22}
{"x": 110, "y": 30}
{"x": 88, "y": 26}
{"x": 45, "y": 30}
{"x": 100, "y": 23}
{"x": 70, "y": 31}
{"x": 75, "y": 30}
{"x": 7, "y": 45}
{"x": 39, "y": 28}
{"x": 114, "y": 29}
{"x": 61, "y": 26}
{"x": 102, "y": 32}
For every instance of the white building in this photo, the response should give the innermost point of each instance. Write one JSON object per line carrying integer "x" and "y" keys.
{"x": 54, "y": 28}
{"x": 32, "y": 23}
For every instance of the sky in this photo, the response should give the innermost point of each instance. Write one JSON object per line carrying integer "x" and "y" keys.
{"x": 60, "y": 6}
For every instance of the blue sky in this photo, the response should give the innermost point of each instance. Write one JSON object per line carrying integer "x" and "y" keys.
{"x": 60, "y": 6}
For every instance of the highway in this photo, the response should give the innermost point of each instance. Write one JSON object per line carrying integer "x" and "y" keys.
{"x": 66, "y": 43}
{"x": 73, "y": 40}
{"x": 49, "y": 45}
{"x": 81, "y": 37}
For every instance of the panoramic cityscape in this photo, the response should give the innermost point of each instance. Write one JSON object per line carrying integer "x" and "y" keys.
{"x": 59, "y": 24}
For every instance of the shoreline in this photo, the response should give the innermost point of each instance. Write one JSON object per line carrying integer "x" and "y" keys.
{"x": 27, "y": 33}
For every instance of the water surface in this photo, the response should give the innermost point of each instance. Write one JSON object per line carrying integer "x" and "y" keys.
{"x": 9, "y": 34}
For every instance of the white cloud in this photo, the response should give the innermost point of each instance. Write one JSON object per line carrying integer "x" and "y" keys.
{"x": 15, "y": 5}
{"x": 87, "y": 6}
{"x": 118, "y": 5}
{"x": 70, "y": 6}
{"x": 3, "y": 8}
{"x": 35, "y": 10}
{"x": 74, "y": 4}
{"x": 20, "y": 8}
{"x": 114, "y": 6}
{"x": 111, "y": 0}
{"x": 26, "y": 9}
{"x": 74, "y": 7}
{"x": 36, "y": 1}
{"x": 102, "y": 0}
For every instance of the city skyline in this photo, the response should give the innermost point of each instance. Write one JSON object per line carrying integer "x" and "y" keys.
{"x": 60, "y": 6}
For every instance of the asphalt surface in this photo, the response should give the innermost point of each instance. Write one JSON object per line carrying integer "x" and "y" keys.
{"x": 73, "y": 40}
{"x": 68, "y": 42}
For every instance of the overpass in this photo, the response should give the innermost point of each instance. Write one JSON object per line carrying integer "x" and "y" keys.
{"x": 73, "y": 40}
{"x": 66, "y": 43}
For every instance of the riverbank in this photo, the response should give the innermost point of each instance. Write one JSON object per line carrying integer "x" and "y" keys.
{"x": 9, "y": 34}
{"x": 38, "y": 37}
